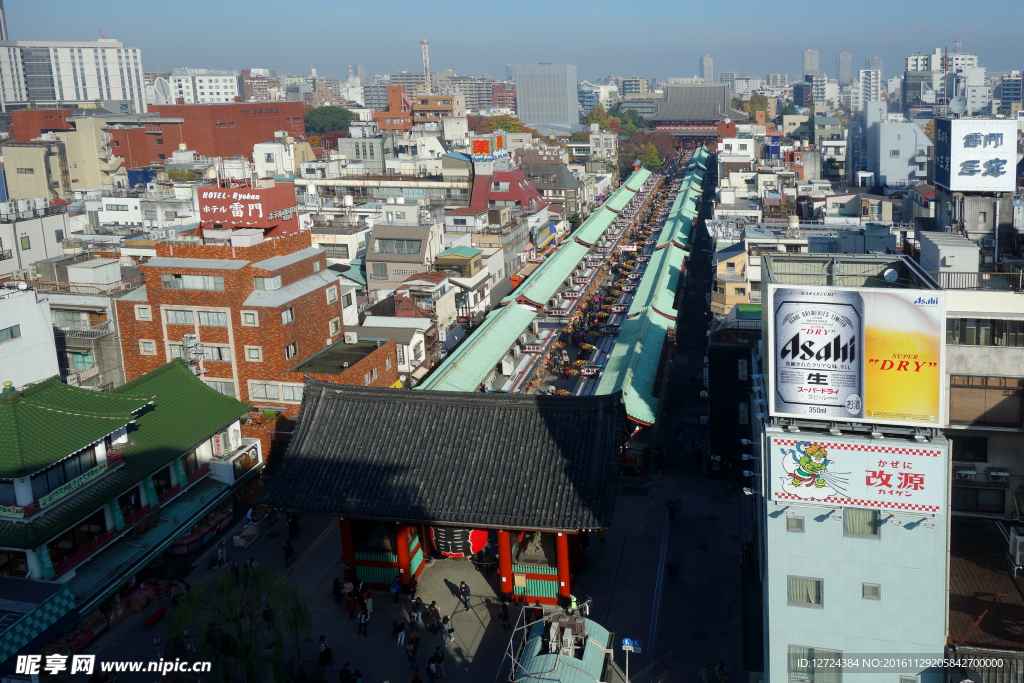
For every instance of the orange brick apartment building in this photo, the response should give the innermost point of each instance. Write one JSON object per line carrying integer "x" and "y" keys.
{"x": 267, "y": 316}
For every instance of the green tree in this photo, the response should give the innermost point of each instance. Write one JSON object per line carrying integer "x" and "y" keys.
{"x": 628, "y": 128}
{"x": 575, "y": 220}
{"x": 789, "y": 110}
{"x": 580, "y": 136}
{"x": 323, "y": 119}
{"x": 599, "y": 116}
{"x": 240, "y": 625}
{"x": 182, "y": 174}
{"x": 647, "y": 153}
{"x": 758, "y": 102}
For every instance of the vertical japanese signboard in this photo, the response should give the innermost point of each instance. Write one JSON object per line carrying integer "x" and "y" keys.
{"x": 857, "y": 354}
{"x": 976, "y": 155}
{"x": 859, "y": 472}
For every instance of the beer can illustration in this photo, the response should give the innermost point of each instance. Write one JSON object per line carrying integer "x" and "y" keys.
{"x": 819, "y": 352}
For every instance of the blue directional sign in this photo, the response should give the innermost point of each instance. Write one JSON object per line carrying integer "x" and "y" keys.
{"x": 626, "y": 642}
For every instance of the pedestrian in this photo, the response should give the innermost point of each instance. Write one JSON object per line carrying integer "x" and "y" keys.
{"x": 222, "y": 554}
{"x": 447, "y": 629}
{"x": 410, "y": 653}
{"x": 721, "y": 675}
{"x": 357, "y": 676}
{"x": 396, "y": 588}
{"x": 704, "y": 676}
{"x": 350, "y": 604}
{"x": 672, "y": 566}
{"x": 439, "y": 663}
{"x": 670, "y": 505}
{"x": 414, "y": 632}
{"x": 431, "y": 669}
{"x": 368, "y": 601}
{"x": 289, "y": 553}
{"x": 326, "y": 657}
{"x": 434, "y": 614}
{"x": 464, "y": 594}
{"x": 345, "y": 675}
{"x": 415, "y": 679}
{"x": 398, "y": 629}
{"x": 504, "y": 617}
{"x": 417, "y": 610}
{"x": 364, "y": 621}
{"x": 347, "y": 587}
{"x": 336, "y": 589}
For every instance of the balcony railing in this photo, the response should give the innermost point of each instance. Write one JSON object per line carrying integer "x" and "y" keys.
{"x": 48, "y": 287}
{"x": 730, "y": 277}
{"x": 93, "y": 332}
{"x": 1005, "y": 282}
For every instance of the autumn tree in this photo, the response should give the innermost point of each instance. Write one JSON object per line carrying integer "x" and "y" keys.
{"x": 758, "y": 102}
{"x": 323, "y": 119}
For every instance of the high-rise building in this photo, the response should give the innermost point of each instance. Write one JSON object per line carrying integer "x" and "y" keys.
{"x": 546, "y": 94}
{"x": 810, "y": 63}
{"x": 870, "y": 88}
{"x": 728, "y": 77}
{"x": 361, "y": 73}
{"x": 204, "y": 85}
{"x": 1009, "y": 92}
{"x": 873, "y": 63}
{"x": 778, "y": 80}
{"x": 844, "y": 67}
{"x": 45, "y": 73}
{"x": 634, "y": 86}
{"x": 707, "y": 69}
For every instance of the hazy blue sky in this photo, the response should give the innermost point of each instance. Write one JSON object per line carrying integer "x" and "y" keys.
{"x": 656, "y": 38}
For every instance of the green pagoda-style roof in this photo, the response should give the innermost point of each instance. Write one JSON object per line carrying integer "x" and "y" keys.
{"x": 50, "y": 421}
{"x": 185, "y": 412}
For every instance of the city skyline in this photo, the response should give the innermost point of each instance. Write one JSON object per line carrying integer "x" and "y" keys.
{"x": 212, "y": 46}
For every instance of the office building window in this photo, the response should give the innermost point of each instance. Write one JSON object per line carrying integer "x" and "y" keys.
{"x": 860, "y": 523}
{"x": 291, "y": 351}
{"x": 804, "y": 592}
{"x": 795, "y": 524}
{"x": 871, "y": 591}
{"x": 802, "y": 661}
{"x": 27, "y": 171}
{"x": 994, "y": 401}
{"x": 982, "y": 332}
{"x": 287, "y": 316}
{"x": 387, "y": 363}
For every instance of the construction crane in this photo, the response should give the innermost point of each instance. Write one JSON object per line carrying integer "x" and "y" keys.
{"x": 426, "y": 65}
{"x": 101, "y": 34}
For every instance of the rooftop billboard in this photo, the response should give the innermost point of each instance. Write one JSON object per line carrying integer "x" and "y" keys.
{"x": 976, "y": 155}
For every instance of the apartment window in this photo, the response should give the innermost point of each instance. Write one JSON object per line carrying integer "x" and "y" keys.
{"x": 269, "y": 283}
{"x": 994, "y": 401}
{"x": 970, "y": 499}
{"x": 213, "y": 319}
{"x": 379, "y": 271}
{"x": 250, "y": 319}
{"x": 116, "y": 207}
{"x": 27, "y": 171}
{"x": 802, "y": 667}
{"x": 26, "y": 243}
{"x": 268, "y": 158}
{"x": 170, "y": 215}
{"x": 730, "y": 267}
{"x": 143, "y": 313}
{"x": 175, "y": 317}
{"x": 387, "y": 363}
{"x": 382, "y": 246}
{"x": 222, "y": 386}
{"x": 335, "y": 326}
{"x": 894, "y": 153}
{"x": 316, "y": 266}
{"x": 335, "y": 250}
{"x": 871, "y": 591}
{"x": 346, "y": 300}
{"x": 370, "y": 377}
{"x": 149, "y": 215}
{"x": 177, "y": 350}
{"x": 795, "y": 524}
{"x": 263, "y": 391}
{"x": 981, "y": 332}
{"x": 970, "y": 448}
{"x": 291, "y": 393}
{"x": 332, "y": 294}
{"x": 287, "y": 316}
{"x": 159, "y": 141}
{"x": 459, "y": 221}
{"x": 741, "y": 291}
{"x": 147, "y": 347}
{"x": 216, "y": 353}
{"x": 58, "y": 235}
{"x": 210, "y": 283}
{"x": 804, "y": 592}
{"x": 860, "y": 523}
{"x": 254, "y": 354}
{"x": 9, "y": 333}
{"x": 291, "y": 351}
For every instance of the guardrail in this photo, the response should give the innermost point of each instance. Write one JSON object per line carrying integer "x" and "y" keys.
{"x": 1006, "y": 282}
{"x": 49, "y": 287}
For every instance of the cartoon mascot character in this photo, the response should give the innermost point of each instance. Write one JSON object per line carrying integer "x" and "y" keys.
{"x": 807, "y": 473}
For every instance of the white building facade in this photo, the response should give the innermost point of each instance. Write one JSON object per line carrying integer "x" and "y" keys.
{"x": 47, "y": 73}
{"x": 205, "y": 85}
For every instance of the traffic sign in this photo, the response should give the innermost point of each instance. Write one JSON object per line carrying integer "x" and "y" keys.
{"x": 626, "y": 642}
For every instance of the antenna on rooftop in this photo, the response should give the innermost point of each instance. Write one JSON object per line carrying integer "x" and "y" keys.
{"x": 426, "y": 65}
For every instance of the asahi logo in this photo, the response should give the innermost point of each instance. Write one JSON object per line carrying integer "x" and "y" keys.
{"x": 812, "y": 349}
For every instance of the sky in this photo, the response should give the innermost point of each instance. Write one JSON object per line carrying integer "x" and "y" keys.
{"x": 657, "y": 38}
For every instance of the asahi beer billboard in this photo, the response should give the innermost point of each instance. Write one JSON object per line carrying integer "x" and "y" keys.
{"x": 858, "y": 472}
{"x": 857, "y": 354}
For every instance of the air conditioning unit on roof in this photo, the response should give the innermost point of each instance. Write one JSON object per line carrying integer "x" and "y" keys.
{"x": 351, "y": 337}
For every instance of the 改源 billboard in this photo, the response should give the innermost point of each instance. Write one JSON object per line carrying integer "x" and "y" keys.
{"x": 857, "y": 354}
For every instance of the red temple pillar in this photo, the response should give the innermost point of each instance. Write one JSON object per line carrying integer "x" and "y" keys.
{"x": 402, "y": 543}
{"x": 562, "y": 548}
{"x": 348, "y": 550}
{"x": 426, "y": 540}
{"x": 505, "y": 562}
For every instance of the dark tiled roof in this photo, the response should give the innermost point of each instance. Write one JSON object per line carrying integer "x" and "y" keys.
{"x": 688, "y": 111}
{"x": 531, "y": 462}
{"x": 185, "y": 413}
{"x": 50, "y": 421}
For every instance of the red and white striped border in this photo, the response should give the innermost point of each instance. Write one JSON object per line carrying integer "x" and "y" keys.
{"x": 884, "y": 504}
{"x": 894, "y": 450}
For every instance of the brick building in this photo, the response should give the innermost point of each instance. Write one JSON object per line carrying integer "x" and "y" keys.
{"x": 398, "y": 116}
{"x": 503, "y": 97}
{"x": 271, "y": 209}
{"x": 212, "y": 130}
{"x": 266, "y": 315}
{"x": 28, "y": 124}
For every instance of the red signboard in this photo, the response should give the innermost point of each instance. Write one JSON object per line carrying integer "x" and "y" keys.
{"x": 266, "y": 208}
{"x": 499, "y": 142}
{"x": 482, "y": 146}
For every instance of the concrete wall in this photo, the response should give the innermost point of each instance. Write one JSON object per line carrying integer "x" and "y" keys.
{"x": 43, "y": 242}
{"x": 32, "y": 356}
